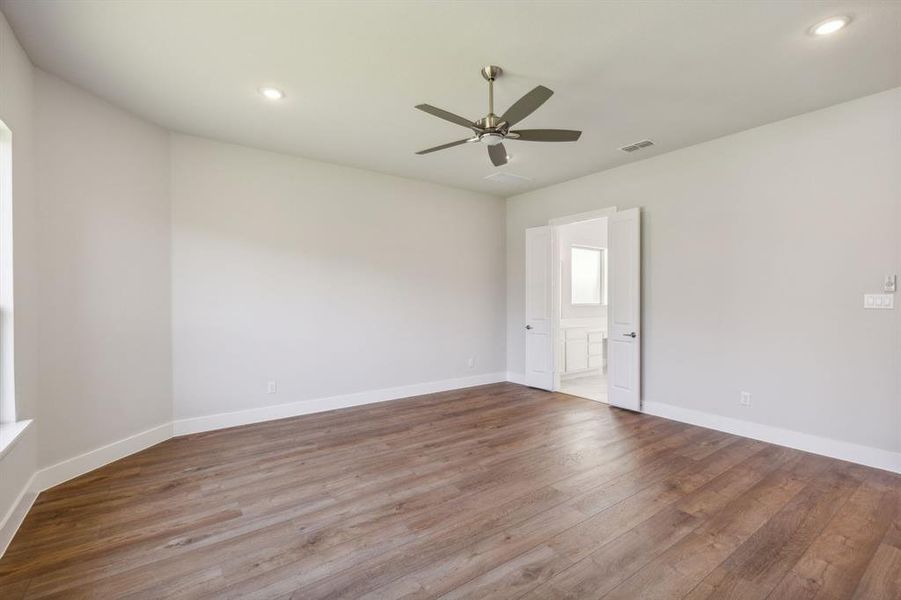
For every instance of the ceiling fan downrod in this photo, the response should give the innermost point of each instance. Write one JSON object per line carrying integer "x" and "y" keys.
{"x": 490, "y": 73}
{"x": 491, "y": 121}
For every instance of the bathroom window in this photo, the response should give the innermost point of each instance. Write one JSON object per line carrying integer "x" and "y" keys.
{"x": 587, "y": 270}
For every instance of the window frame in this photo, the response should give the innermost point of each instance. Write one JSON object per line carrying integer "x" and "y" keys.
{"x": 602, "y": 275}
{"x": 8, "y": 412}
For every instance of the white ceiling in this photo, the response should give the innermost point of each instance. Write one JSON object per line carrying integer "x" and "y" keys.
{"x": 676, "y": 72}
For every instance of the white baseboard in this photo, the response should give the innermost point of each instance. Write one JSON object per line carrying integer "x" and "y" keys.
{"x": 519, "y": 378}
{"x": 15, "y": 516}
{"x": 83, "y": 463}
{"x": 305, "y": 407}
{"x": 856, "y": 453}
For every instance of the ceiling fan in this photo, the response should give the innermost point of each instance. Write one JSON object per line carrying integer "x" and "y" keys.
{"x": 493, "y": 130}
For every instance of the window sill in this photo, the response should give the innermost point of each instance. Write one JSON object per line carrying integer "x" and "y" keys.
{"x": 10, "y": 433}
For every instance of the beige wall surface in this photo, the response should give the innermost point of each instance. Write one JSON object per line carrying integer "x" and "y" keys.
{"x": 105, "y": 348}
{"x": 325, "y": 279}
{"x": 757, "y": 250}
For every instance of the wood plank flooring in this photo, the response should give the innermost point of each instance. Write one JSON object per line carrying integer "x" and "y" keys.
{"x": 498, "y": 491}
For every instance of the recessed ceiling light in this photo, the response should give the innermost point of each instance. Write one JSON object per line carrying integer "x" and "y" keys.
{"x": 272, "y": 93}
{"x": 830, "y": 25}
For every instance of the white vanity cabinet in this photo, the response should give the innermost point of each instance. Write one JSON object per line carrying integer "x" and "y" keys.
{"x": 583, "y": 349}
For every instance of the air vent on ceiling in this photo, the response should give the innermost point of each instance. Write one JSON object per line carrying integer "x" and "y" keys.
{"x": 508, "y": 178}
{"x": 637, "y": 146}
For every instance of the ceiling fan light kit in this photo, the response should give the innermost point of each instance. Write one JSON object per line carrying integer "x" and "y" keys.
{"x": 492, "y": 130}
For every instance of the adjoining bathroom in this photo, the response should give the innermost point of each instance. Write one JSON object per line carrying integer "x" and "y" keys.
{"x": 583, "y": 309}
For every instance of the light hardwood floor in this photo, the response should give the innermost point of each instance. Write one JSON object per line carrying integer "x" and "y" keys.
{"x": 498, "y": 491}
{"x": 590, "y": 387}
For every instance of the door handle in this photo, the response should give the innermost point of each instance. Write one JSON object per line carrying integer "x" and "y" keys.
{"x": 631, "y": 335}
{"x": 528, "y": 326}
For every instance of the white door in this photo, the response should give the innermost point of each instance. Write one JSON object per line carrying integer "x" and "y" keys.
{"x": 539, "y": 345}
{"x": 624, "y": 309}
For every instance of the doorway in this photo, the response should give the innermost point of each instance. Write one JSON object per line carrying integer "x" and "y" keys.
{"x": 583, "y": 306}
{"x": 582, "y": 315}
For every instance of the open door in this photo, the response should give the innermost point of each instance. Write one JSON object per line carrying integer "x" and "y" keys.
{"x": 539, "y": 344}
{"x": 624, "y": 309}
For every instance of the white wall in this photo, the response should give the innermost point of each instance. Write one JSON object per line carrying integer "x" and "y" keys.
{"x": 326, "y": 279}
{"x": 16, "y": 111}
{"x": 105, "y": 347}
{"x": 583, "y": 233}
{"x": 757, "y": 249}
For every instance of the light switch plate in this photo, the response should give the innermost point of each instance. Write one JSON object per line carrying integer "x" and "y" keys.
{"x": 879, "y": 301}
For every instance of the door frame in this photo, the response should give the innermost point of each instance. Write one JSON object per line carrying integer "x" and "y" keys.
{"x": 556, "y": 275}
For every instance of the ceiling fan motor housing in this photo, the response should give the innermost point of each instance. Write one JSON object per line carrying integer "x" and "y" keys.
{"x": 492, "y": 138}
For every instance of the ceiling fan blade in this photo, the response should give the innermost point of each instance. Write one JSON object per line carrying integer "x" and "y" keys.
{"x": 497, "y": 154}
{"x": 449, "y": 145}
{"x": 526, "y": 105}
{"x": 546, "y": 135}
{"x": 447, "y": 116}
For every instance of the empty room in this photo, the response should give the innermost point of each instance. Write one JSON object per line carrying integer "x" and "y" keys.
{"x": 410, "y": 299}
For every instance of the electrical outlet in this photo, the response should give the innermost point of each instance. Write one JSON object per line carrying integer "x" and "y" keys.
{"x": 745, "y": 399}
{"x": 271, "y": 387}
{"x": 470, "y": 362}
{"x": 890, "y": 285}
